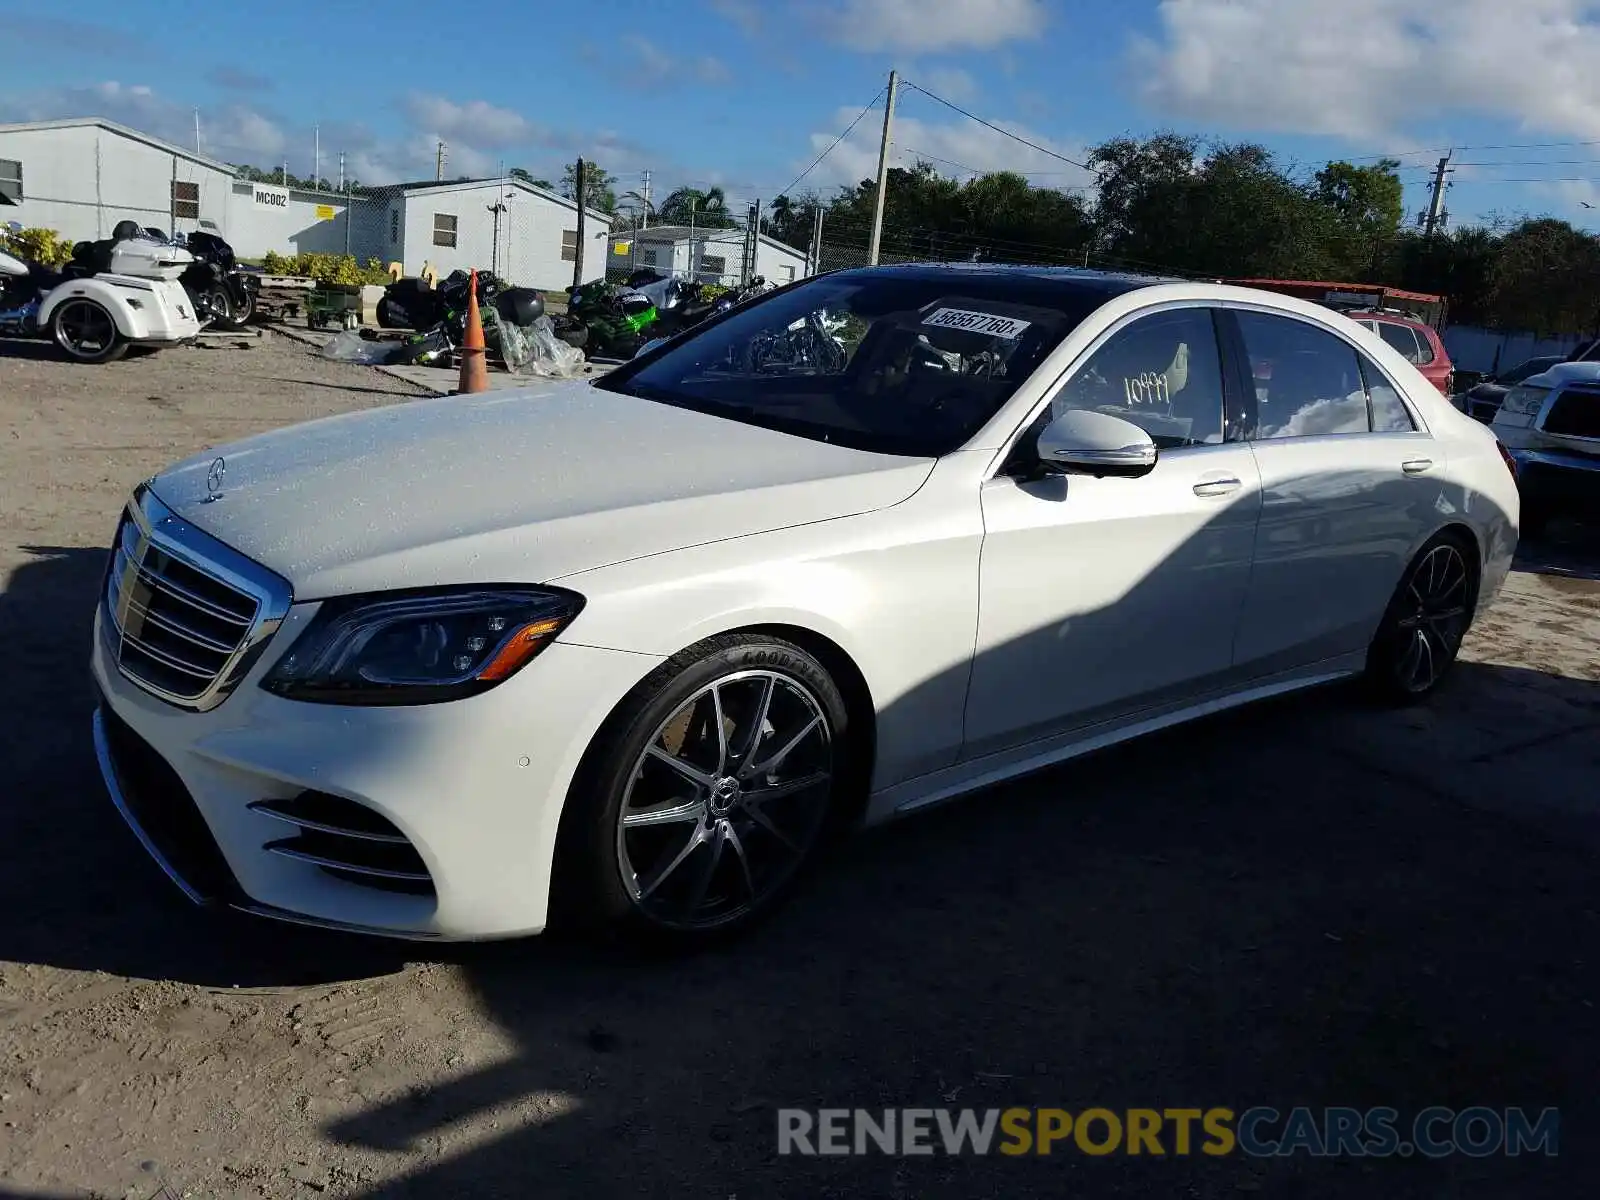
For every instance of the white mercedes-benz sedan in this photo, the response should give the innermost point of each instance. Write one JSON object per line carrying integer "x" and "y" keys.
{"x": 624, "y": 653}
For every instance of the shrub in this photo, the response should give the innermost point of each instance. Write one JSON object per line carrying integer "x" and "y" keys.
{"x": 39, "y": 245}
{"x": 325, "y": 268}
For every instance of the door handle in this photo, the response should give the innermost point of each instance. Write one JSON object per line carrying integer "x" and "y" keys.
{"x": 1217, "y": 487}
{"x": 1416, "y": 466}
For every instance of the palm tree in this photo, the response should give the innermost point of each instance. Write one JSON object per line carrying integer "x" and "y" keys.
{"x": 687, "y": 205}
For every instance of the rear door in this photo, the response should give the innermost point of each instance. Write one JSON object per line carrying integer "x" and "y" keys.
{"x": 1348, "y": 483}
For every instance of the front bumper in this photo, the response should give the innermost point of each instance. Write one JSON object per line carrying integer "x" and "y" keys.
{"x": 475, "y": 786}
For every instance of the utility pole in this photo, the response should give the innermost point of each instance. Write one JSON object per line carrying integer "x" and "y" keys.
{"x": 438, "y": 163}
{"x": 816, "y": 239}
{"x": 197, "y": 131}
{"x": 883, "y": 173}
{"x": 645, "y": 193}
{"x": 1436, "y": 197}
{"x": 316, "y": 156}
{"x": 580, "y": 181}
{"x": 341, "y": 170}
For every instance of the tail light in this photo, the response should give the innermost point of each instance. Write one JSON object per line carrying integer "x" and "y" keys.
{"x": 1505, "y": 457}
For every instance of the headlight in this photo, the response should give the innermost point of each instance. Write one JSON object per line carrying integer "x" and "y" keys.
{"x": 1525, "y": 399}
{"x": 420, "y": 647}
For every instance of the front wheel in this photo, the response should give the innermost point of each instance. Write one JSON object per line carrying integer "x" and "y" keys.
{"x": 706, "y": 795}
{"x": 86, "y": 332}
{"x": 1426, "y": 621}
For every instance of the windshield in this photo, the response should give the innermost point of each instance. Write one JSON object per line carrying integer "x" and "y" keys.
{"x": 893, "y": 363}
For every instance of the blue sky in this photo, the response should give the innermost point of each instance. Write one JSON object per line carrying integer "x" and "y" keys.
{"x": 746, "y": 93}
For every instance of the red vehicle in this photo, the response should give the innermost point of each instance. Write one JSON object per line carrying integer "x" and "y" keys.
{"x": 1408, "y": 321}
{"x": 1417, "y": 343}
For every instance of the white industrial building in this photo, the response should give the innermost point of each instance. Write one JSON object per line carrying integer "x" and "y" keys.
{"x": 81, "y": 176}
{"x": 707, "y": 255}
{"x": 522, "y": 233}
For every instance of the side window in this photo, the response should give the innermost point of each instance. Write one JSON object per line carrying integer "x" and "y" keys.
{"x": 1308, "y": 382}
{"x": 1389, "y": 412}
{"x": 1404, "y": 339}
{"x": 1424, "y": 349}
{"x": 1162, "y": 372}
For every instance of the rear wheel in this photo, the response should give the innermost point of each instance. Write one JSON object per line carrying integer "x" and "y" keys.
{"x": 706, "y": 796}
{"x": 238, "y": 312}
{"x": 86, "y": 332}
{"x": 1426, "y": 621}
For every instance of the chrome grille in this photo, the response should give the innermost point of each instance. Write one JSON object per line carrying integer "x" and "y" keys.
{"x": 184, "y": 615}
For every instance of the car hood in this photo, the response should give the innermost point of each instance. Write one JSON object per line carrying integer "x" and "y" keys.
{"x": 525, "y": 486}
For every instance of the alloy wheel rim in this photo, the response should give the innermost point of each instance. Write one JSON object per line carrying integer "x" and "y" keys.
{"x": 1433, "y": 618}
{"x": 726, "y": 801}
{"x": 85, "y": 329}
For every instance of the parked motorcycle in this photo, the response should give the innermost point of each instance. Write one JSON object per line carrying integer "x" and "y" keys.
{"x": 115, "y": 293}
{"x": 223, "y": 292}
{"x": 440, "y": 314}
{"x": 610, "y": 321}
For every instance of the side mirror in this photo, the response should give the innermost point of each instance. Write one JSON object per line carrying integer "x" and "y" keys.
{"x": 1081, "y": 442}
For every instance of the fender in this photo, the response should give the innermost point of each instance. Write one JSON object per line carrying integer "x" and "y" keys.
{"x": 114, "y": 293}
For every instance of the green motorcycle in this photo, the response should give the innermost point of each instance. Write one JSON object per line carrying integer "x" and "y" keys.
{"x": 607, "y": 320}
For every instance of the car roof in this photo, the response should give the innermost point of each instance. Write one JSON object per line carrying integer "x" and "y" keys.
{"x": 1059, "y": 281}
{"x": 1569, "y": 372}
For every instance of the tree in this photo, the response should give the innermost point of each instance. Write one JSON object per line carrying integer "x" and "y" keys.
{"x": 600, "y": 187}
{"x": 708, "y": 208}
{"x": 1369, "y": 204}
{"x": 1544, "y": 279}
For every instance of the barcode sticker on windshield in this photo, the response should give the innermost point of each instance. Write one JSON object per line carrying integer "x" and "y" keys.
{"x": 1009, "y": 328}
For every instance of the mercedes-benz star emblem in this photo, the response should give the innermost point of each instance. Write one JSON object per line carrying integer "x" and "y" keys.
{"x": 219, "y": 468}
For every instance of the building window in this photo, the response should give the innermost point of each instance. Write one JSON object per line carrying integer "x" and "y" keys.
{"x": 569, "y": 245}
{"x": 394, "y": 226}
{"x": 714, "y": 264}
{"x": 788, "y": 272}
{"x": 185, "y": 200}
{"x": 646, "y": 256}
{"x": 11, "y": 180}
{"x": 444, "y": 229}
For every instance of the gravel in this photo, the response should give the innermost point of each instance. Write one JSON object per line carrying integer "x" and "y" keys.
{"x": 1310, "y": 902}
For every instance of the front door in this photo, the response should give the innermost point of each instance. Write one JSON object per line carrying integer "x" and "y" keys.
{"x": 1099, "y": 597}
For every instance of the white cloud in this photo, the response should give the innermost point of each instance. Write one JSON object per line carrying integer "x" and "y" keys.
{"x": 653, "y": 67}
{"x": 231, "y": 132}
{"x": 955, "y": 149}
{"x": 742, "y": 13}
{"x": 1362, "y": 69}
{"x": 950, "y": 82}
{"x": 475, "y": 123}
{"x": 928, "y": 26}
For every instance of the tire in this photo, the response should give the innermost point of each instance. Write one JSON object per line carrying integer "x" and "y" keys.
{"x": 220, "y": 307}
{"x": 86, "y": 332}
{"x": 240, "y": 314}
{"x": 675, "y": 839}
{"x": 1422, "y": 629}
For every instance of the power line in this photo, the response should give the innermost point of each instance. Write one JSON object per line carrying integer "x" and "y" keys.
{"x": 950, "y": 162}
{"x": 817, "y": 161}
{"x": 991, "y": 125}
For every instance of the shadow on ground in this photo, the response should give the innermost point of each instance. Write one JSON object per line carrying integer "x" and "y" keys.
{"x": 80, "y": 892}
{"x": 1243, "y": 912}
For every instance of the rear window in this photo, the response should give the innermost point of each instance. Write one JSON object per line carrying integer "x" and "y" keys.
{"x": 1413, "y": 347}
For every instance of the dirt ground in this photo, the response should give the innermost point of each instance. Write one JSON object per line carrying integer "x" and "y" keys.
{"x": 1307, "y": 903}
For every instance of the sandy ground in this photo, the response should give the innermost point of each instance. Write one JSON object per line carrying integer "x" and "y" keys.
{"x": 1307, "y": 903}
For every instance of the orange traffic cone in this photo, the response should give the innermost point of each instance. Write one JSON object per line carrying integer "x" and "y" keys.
{"x": 474, "y": 357}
